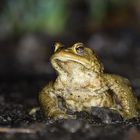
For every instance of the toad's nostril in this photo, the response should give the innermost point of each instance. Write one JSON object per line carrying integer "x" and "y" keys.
{"x": 58, "y": 46}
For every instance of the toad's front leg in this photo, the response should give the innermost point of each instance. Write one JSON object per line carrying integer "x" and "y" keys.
{"x": 49, "y": 103}
{"x": 123, "y": 96}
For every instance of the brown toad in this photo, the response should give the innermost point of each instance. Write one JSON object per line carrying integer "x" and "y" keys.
{"x": 82, "y": 84}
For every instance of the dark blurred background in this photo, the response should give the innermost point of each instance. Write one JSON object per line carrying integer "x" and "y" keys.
{"x": 29, "y": 29}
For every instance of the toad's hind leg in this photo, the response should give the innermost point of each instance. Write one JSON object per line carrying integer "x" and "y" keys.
{"x": 123, "y": 96}
{"x": 49, "y": 103}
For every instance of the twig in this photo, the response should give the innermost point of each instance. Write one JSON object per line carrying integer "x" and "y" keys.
{"x": 17, "y": 130}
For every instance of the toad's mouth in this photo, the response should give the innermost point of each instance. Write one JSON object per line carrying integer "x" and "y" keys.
{"x": 68, "y": 65}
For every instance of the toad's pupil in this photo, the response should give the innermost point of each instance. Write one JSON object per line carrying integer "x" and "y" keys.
{"x": 80, "y": 50}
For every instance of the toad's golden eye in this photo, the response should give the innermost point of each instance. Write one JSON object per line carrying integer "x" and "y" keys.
{"x": 80, "y": 50}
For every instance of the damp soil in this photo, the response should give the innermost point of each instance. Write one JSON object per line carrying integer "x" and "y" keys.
{"x": 19, "y": 96}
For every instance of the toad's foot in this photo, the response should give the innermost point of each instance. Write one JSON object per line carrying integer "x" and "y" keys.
{"x": 57, "y": 114}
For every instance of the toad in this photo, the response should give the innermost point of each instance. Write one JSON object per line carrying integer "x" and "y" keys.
{"x": 82, "y": 84}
